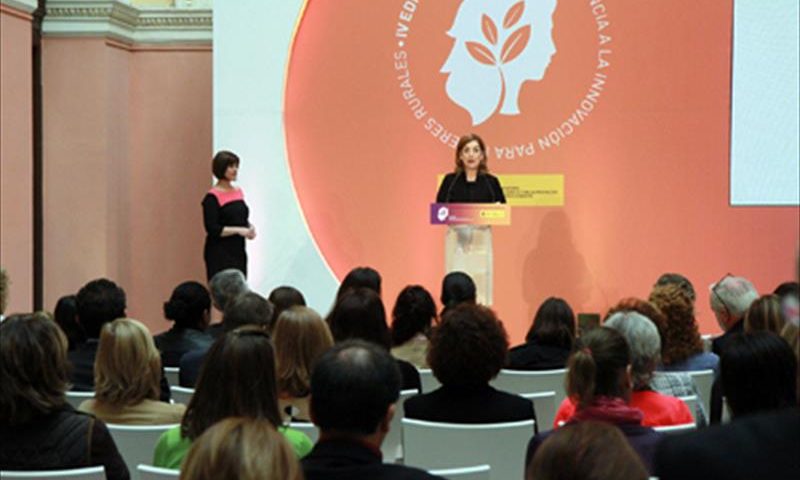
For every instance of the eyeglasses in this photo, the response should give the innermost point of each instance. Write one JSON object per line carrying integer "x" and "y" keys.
{"x": 714, "y": 288}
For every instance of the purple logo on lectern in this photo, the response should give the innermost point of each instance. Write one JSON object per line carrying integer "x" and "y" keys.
{"x": 442, "y": 213}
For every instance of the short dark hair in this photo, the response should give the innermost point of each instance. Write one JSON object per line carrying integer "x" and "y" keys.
{"x": 99, "y": 302}
{"x": 187, "y": 304}
{"x": 469, "y": 347}
{"x": 247, "y": 309}
{"x": 553, "y": 324}
{"x": 66, "y": 316}
{"x": 352, "y": 386}
{"x": 366, "y": 277}
{"x": 677, "y": 279}
{"x": 222, "y": 160}
{"x": 282, "y": 298}
{"x": 413, "y": 313}
{"x": 596, "y": 366}
{"x": 457, "y": 287}
{"x": 360, "y": 314}
{"x": 787, "y": 288}
{"x": 758, "y": 373}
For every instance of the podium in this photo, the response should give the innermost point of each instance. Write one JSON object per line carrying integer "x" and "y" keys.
{"x": 468, "y": 241}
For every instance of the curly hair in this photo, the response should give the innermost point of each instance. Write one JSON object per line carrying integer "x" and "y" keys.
{"x": 469, "y": 347}
{"x": 680, "y": 335}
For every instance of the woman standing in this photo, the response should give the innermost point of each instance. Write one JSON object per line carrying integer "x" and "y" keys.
{"x": 225, "y": 216}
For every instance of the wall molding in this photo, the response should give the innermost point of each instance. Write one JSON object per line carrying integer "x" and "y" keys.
{"x": 121, "y": 22}
{"x": 25, "y": 6}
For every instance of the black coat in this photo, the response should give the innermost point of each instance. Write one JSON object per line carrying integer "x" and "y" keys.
{"x": 351, "y": 460}
{"x": 469, "y": 405}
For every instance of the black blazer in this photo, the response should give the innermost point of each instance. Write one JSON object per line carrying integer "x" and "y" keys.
{"x": 350, "y": 460}
{"x": 535, "y": 356}
{"x": 176, "y": 342}
{"x": 718, "y": 344}
{"x": 190, "y": 367}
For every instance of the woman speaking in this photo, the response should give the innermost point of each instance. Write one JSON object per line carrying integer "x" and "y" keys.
{"x": 225, "y": 216}
{"x": 468, "y": 248}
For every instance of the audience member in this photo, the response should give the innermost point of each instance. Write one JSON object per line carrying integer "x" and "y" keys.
{"x": 282, "y": 298}
{"x": 729, "y": 300}
{"x": 599, "y": 381}
{"x": 791, "y": 333}
{"x": 3, "y": 293}
{"x": 360, "y": 277}
{"x": 300, "y": 337}
{"x": 457, "y": 288}
{"x": 39, "y": 430}
{"x": 190, "y": 308}
{"x": 237, "y": 379}
{"x": 682, "y": 347}
{"x": 412, "y": 317}
{"x": 468, "y": 349}
{"x": 764, "y": 314}
{"x": 789, "y": 296}
{"x": 359, "y": 313}
{"x": 225, "y": 286}
{"x": 586, "y": 451}
{"x": 678, "y": 280}
{"x": 354, "y": 388}
{"x": 66, "y": 316}
{"x": 242, "y": 449}
{"x": 127, "y": 372}
{"x": 549, "y": 340}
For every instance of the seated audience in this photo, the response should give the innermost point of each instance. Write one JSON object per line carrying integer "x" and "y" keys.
{"x": 237, "y": 380}
{"x": 586, "y": 451}
{"x": 282, "y": 298}
{"x": 549, "y": 341}
{"x": 39, "y": 430}
{"x": 468, "y": 349}
{"x": 729, "y": 300}
{"x": 789, "y": 296}
{"x": 679, "y": 280}
{"x": 354, "y": 388}
{"x": 359, "y": 313}
{"x": 764, "y": 314}
{"x": 682, "y": 347}
{"x": 66, "y": 316}
{"x": 224, "y": 287}
{"x": 190, "y": 308}
{"x": 599, "y": 380}
{"x": 127, "y": 372}
{"x": 300, "y": 337}
{"x": 242, "y": 449}
{"x": 360, "y": 277}
{"x": 457, "y": 288}
{"x": 413, "y": 314}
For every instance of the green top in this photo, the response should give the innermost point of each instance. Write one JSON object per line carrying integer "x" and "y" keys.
{"x": 172, "y": 448}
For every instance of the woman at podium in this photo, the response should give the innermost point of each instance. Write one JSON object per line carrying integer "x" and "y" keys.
{"x": 468, "y": 248}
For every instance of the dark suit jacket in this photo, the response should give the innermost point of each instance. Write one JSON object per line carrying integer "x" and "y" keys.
{"x": 190, "y": 367}
{"x": 409, "y": 376}
{"x": 175, "y": 342}
{"x": 535, "y": 356}
{"x": 761, "y": 446}
{"x": 350, "y": 460}
{"x": 718, "y": 344}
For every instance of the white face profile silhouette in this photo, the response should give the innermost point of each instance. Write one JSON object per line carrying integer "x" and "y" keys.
{"x": 498, "y": 46}
{"x": 443, "y": 213}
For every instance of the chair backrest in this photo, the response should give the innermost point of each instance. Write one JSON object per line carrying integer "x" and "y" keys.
{"x": 693, "y": 402}
{"x": 173, "y": 375}
{"x": 673, "y": 429}
{"x": 392, "y": 447}
{"x": 435, "y": 445}
{"x": 137, "y": 443}
{"x": 76, "y": 398}
{"x": 149, "y": 472}
{"x": 181, "y": 394}
{"x": 726, "y": 411}
{"x": 428, "y": 381}
{"x": 480, "y": 472}
{"x": 544, "y": 404}
{"x": 89, "y": 473}
{"x": 532, "y": 381}
{"x": 308, "y": 428}
{"x": 704, "y": 379}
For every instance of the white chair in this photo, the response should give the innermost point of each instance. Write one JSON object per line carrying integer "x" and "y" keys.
{"x": 137, "y": 443}
{"x": 429, "y": 382}
{"x": 544, "y": 404}
{"x": 532, "y": 381}
{"x": 673, "y": 429}
{"x": 89, "y": 473}
{"x": 481, "y": 472}
{"x": 435, "y": 445}
{"x": 173, "y": 375}
{"x": 149, "y": 472}
{"x": 726, "y": 411}
{"x": 76, "y": 398}
{"x": 693, "y": 403}
{"x": 392, "y": 447}
{"x": 308, "y": 428}
{"x": 181, "y": 394}
{"x": 703, "y": 379}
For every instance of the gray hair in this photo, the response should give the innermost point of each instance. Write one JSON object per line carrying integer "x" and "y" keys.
{"x": 732, "y": 295}
{"x": 643, "y": 340}
{"x": 225, "y": 286}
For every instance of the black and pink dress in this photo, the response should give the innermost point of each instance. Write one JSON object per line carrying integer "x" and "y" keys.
{"x": 220, "y": 210}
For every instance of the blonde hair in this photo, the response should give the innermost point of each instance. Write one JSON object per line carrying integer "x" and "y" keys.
{"x": 242, "y": 448}
{"x": 127, "y": 368}
{"x": 764, "y": 314}
{"x": 300, "y": 337}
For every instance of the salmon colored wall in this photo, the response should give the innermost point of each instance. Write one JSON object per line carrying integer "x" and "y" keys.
{"x": 16, "y": 153}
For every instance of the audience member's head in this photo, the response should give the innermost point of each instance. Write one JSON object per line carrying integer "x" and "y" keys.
{"x": 553, "y": 324}
{"x": 353, "y": 390}
{"x": 758, "y": 373}
{"x": 633, "y": 304}
{"x": 359, "y": 313}
{"x": 99, "y": 302}
{"x": 643, "y": 341}
{"x": 599, "y": 367}
{"x": 33, "y": 368}
{"x": 248, "y": 308}
{"x": 764, "y": 314}
{"x": 730, "y": 298}
{"x": 586, "y": 451}
{"x": 413, "y": 313}
{"x": 681, "y": 336}
{"x": 457, "y": 288}
{"x": 127, "y": 368}
{"x": 282, "y": 298}
{"x": 237, "y": 379}
{"x": 300, "y": 337}
{"x": 680, "y": 281}
{"x": 360, "y": 277}
{"x": 241, "y": 448}
{"x": 66, "y": 316}
{"x": 189, "y": 306}
{"x": 469, "y": 347}
{"x": 789, "y": 296}
{"x": 3, "y": 290}
{"x": 791, "y": 333}
{"x": 225, "y": 286}
{"x": 788, "y": 288}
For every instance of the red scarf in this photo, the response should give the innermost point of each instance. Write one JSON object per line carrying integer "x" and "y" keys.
{"x": 609, "y": 409}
